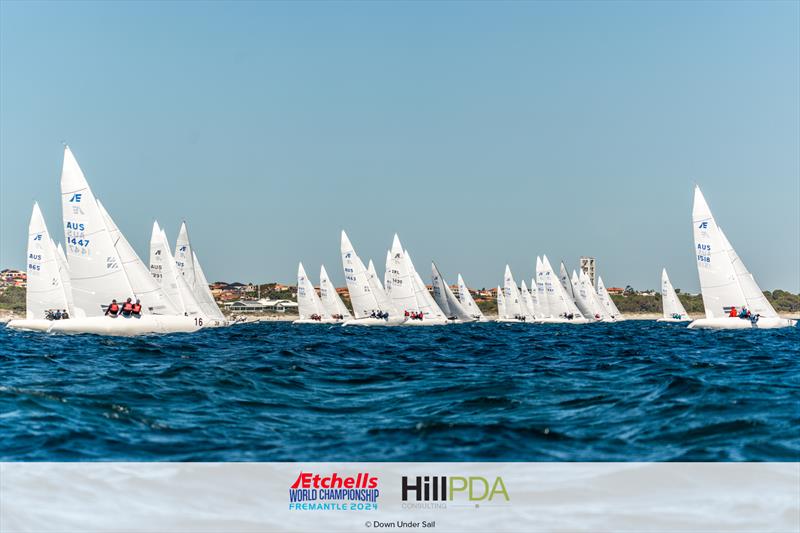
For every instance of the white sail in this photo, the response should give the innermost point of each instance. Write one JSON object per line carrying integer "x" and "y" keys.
{"x": 308, "y": 302}
{"x": 400, "y": 277}
{"x": 566, "y": 282}
{"x": 444, "y": 297}
{"x": 202, "y": 292}
{"x": 467, "y": 301}
{"x": 541, "y": 291}
{"x": 558, "y": 299}
{"x": 527, "y": 301}
{"x": 757, "y": 303}
{"x": 387, "y": 273}
{"x": 95, "y": 266}
{"x": 606, "y": 300}
{"x": 165, "y": 272}
{"x": 439, "y": 295}
{"x": 330, "y": 298}
{"x": 45, "y": 289}
{"x": 153, "y": 298}
{"x": 366, "y": 294}
{"x": 513, "y": 300}
{"x": 672, "y": 308}
{"x": 502, "y": 312}
{"x": 374, "y": 274}
{"x": 428, "y": 306}
{"x": 63, "y": 268}
{"x": 183, "y": 256}
{"x": 719, "y": 282}
{"x": 589, "y": 294}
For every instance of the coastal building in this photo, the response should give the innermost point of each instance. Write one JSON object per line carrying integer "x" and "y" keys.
{"x": 13, "y": 278}
{"x": 615, "y": 290}
{"x": 587, "y": 264}
{"x": 260, "y": 306}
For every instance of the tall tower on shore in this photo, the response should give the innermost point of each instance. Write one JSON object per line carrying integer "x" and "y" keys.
{"x": 588, "y": 267}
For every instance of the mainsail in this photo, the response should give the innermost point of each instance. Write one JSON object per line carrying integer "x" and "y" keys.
{"x": 467, "y": 301}
{"x": 444, "y": 297}
{"x": 94, "y": 264}
{"x": 502, "y": 312}
{"x": 366, "y": 294}
{"x": 330, "y": 298}
{"x": 189, "y": 267}
{"x": 606, "y": 300}
{"x": 671, "y": 305}
{"x": 47, "y": 279}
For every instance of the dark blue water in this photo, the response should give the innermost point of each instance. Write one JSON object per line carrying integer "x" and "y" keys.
{"x": 633, "y": 391}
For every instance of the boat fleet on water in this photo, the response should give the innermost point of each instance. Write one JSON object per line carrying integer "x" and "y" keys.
{"x": 731, "y": 296}
{"x": 97, "y": 265}
{"x": 78, "y": 282}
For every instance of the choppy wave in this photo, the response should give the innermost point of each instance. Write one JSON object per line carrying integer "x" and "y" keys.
{"x": 633, "y": 391}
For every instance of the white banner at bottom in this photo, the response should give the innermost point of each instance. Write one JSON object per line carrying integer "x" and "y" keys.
{"x": 247, "y": 497}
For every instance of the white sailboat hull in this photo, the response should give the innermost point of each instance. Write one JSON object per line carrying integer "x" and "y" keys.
{"x": 427, "y": 322}
{"x": 742, "y": 323}
{"x": 126, "y": 327}
{"x": 676, "y": 320}
{"x": 561, "y": 320}
{"x": 369, "y": 321}
{"x": 312, "y": 321}
{"x": 34, "y": 324}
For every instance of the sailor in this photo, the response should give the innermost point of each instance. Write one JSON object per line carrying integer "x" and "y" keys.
{"x": 127, "y": 308}
{"x": 57, "y": 315}
{"x": 137, "y": 309}
{"x": 64, "y": 314}
{"x": 113, "y": 309}
{"x": 733, "y": 312}
{"x": 744, "y": 313}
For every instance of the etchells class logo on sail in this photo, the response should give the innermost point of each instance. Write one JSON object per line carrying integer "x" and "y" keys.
{"x": 436, "y": 492}
{"x": 334, "y": 492}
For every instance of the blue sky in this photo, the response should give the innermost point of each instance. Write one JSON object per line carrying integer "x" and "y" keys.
{"x": 483, "y": 134}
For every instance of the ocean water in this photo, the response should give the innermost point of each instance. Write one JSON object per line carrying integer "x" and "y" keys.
{"x": 632, "y": 391}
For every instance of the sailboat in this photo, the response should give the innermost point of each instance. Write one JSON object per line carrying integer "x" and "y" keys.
{"x": 586, "y": 297}
{"x": 560, "y": 304}
{"x": 408, "y": 293}
{"x": 608, "y": 303}
{"x": 189, "y": 267}
{"x": 672, "y": 308}
{"x": 103, "y": 267}
{"x": 330, "y": 298}
{"x": 447, "y": 301}
{"x": 468, "y": 302}
{"x": 515, "y": 309}
{"x": 501, "y": 304}
{"x": 48, "y": 288}
{"x": 528, "y": 304}
{"x": 725, "y": 282}
{"x": 164, "y": 271}
{"x": 310, "y": 306}
{"x": 543, "y": 309}
{"x": 369, "y": 300}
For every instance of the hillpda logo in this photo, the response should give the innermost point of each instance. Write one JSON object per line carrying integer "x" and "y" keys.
{"x": 315, "y": 492}
{"x": 435, "y": 492}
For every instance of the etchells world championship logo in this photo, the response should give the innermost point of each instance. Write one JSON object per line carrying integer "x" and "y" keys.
{"x": 315, "y": 492}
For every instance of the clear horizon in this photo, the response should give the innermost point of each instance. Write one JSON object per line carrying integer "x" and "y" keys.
{"x": 483, "y": 134}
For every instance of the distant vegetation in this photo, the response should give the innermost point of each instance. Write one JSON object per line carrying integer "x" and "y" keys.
{"x": 783, "y": 301}
{"x": 13, "y": 299}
